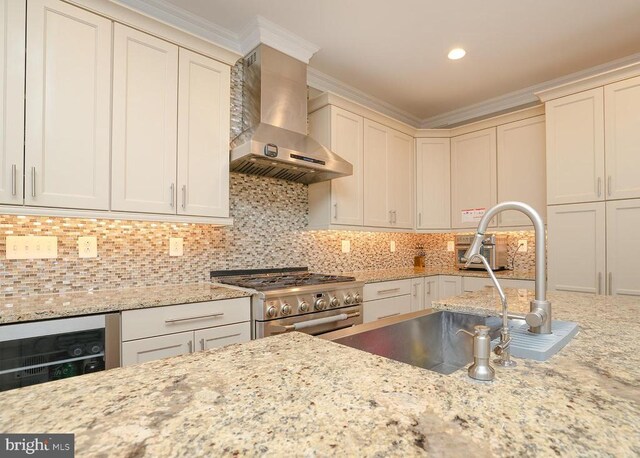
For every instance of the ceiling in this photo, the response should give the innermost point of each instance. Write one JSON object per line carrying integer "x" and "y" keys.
{"x": 396, "y": 51}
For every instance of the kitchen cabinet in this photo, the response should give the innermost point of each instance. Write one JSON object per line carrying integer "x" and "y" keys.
{"x": 430, "y": 291}
{"x": 145, "y": 108}
{"x": 576, "y": 247}
{"x": 68, "y": 107}
{"x": 380, "y": 290}
{"x": 203, "y": 136}
{"x": 385, "y": 308}
{"x": 622, "y": 137}
{"x": 575, "y": 148}
{"x": 433, "y": 183}
{"x": 623, "y": 247}
{"x": 471, "y": 284}
{"x": 473, "y": 174}
{"x": 339, "y": 201}
{"x": 160, "y": 332}
{"x": 522, "y": 168}
{"x": 388, "y": 177}
{"x": 12, "y": 42}
{"x": 417, "y": 294}
{"x": 449, "y": 285}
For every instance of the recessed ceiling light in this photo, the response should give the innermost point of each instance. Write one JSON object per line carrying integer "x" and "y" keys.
{"x": 456, "y": 53}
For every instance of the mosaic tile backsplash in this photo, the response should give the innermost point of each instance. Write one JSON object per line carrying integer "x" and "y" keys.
{"x": 269, "y": 231}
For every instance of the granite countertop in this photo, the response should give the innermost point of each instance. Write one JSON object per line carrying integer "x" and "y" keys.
{"x": 47, "y": 306}
{"x": 300, "y": 395}
{"x": 374, "y": 276}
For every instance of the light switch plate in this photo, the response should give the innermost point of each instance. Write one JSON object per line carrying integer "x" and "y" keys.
{"x": 392, "y": 246}
{"x": 176, "y": 246}
{"x": 346, "y": 246}
{"x": 522, "y": 246}
{"x": 450, "y": 246}
{"x": 31, "y": 246}
{"x": 87, "y": 247}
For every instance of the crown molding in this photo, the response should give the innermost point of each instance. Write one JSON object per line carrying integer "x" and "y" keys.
{"x": 261, "y": 30}
{"x": 323, "y": 82}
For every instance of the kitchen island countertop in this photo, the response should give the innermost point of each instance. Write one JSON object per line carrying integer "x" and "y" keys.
{"x": 300, "y": 395}
{"x": 380, "y": 275}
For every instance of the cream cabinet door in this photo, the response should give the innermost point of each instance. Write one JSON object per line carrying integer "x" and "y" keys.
{"x": 385, "y": 308}
{"x": 430, "y": 291}
{"x": 623, "y": 247}
{"x": 433, "y": 183}
{"x": 145, "y": 98}
{"x": 522, "y": 168}
{"x": 417, "y": 294}
{"x": 347, "y": 202}
{"x": 376, "y": 175}
{"x": 203, "y": 136}
{"x": 68, "y": 99}
{"x": 576, "y": 247}
{"x": 401, "y": 175}
{"x": 220, "y": 336}
{"x": 473, "y": 174}
{"x": 449, "y": 285}
{"x": 622, "y": 134}
{"x": 152, "y": 348}
{"x": 12, "y": 34}
{"x": 575, "y": 148}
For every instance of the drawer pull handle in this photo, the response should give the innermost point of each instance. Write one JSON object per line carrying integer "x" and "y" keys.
{"x": 200, "y": 317}
{"x": 390, "y": 290}
{"x": 388, "y": 316}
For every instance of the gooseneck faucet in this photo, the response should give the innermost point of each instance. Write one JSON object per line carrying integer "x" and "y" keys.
{"x": 539, "y": 316}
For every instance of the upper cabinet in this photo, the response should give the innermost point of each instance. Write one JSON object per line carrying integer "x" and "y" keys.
{"x": 622, "y": 137}
{"x": 203, "y": 136}
{"x": 145, "y": 108}
{"x": 433, "y": 183}
{"x": 388, "y": 177}
{"x": 339, "y": 201}
{"x": 473, "y": 175}
{"x": 575, "y": 148}
{"x": 12, "y": 35}
{"x": 68, "y": 99}
{"x": 521, "y": 168}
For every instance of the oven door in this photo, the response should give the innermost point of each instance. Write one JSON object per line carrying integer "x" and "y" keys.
{"x": 312, "y": 323}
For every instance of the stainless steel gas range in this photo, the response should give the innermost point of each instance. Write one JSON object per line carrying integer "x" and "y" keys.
{"x": 294, "y": 299}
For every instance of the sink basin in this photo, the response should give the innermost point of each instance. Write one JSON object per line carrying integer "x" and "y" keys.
{"x": 424, "y": 339}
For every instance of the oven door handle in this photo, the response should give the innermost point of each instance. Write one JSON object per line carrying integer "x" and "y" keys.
{"x": 316, "y": 322}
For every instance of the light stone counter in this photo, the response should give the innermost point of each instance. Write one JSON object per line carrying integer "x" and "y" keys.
{"x": 304, "y": 396}
{"x": 374, "y": 276}
{"x": 47, "y": 306}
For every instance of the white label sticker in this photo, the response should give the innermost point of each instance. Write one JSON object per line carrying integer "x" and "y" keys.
{"x": 472, "y": 215}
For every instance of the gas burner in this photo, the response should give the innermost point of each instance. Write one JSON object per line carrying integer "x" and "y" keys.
{"x": 272, "y": 279}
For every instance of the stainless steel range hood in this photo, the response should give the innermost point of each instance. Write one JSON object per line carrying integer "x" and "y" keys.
{"x": 275, "y": 143}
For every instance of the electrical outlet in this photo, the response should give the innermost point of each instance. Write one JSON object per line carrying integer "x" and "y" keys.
{"x": 392, "y": 246}
{"x": 522, "y": 246}
{"x": 176, "y": 247}
{"x": 31, "y": 247}
{"x": 450, "y": 246}
{"x": 346, "y": 246}
{"x": 87, "y": 247}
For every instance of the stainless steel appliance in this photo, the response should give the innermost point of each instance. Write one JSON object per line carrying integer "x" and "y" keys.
{"x": 275, "y": 143}
{"x": 494, "y": 249}
{"x": 294, "y": 299}
{"x": 40, "y": 351}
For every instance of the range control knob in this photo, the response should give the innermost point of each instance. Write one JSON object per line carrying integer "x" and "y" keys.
{"x": 285, "y": 309}
{"x": 320, "y": 304}
{"x": 334, "y": 302}
{"x": 303, "y": 306}
{"x": 356, "y": 298}
{"x": 272, "y": 311}
{"x": 348, "y": 299}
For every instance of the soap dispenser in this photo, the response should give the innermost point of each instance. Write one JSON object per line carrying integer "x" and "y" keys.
{"x": 481, "y": 369}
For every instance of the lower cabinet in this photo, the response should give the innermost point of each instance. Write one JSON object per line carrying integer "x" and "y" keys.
{"x": 384, "y": 308}
{"x": 449, "y": 285}
{"x": 431, "y": 290}
{"x": 161, "y": 332}
{"x": 471, "y": 284}
{"x": 417, "y": 294}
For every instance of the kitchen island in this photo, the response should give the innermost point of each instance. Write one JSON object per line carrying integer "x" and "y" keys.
{"x": 300, "y": 395}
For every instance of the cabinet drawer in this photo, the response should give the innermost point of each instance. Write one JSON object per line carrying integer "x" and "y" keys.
{"x": 137, "y": 324}
{"x": 384, "y": 308}
{"x": 152, "y": 348}
{"x": 476, "y": 283}
{"x": 220, "y": 336}
{"x": 375, "y": 291}
{"x": 520, "y": 284}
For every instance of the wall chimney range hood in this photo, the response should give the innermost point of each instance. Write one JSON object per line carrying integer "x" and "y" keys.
{"x": 274, "y": 108}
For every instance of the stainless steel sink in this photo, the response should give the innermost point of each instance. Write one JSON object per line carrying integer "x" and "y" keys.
{"x": 425, "y": 339}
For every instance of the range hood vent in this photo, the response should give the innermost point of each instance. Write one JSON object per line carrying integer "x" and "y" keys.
{"x": 274, "y": 110}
